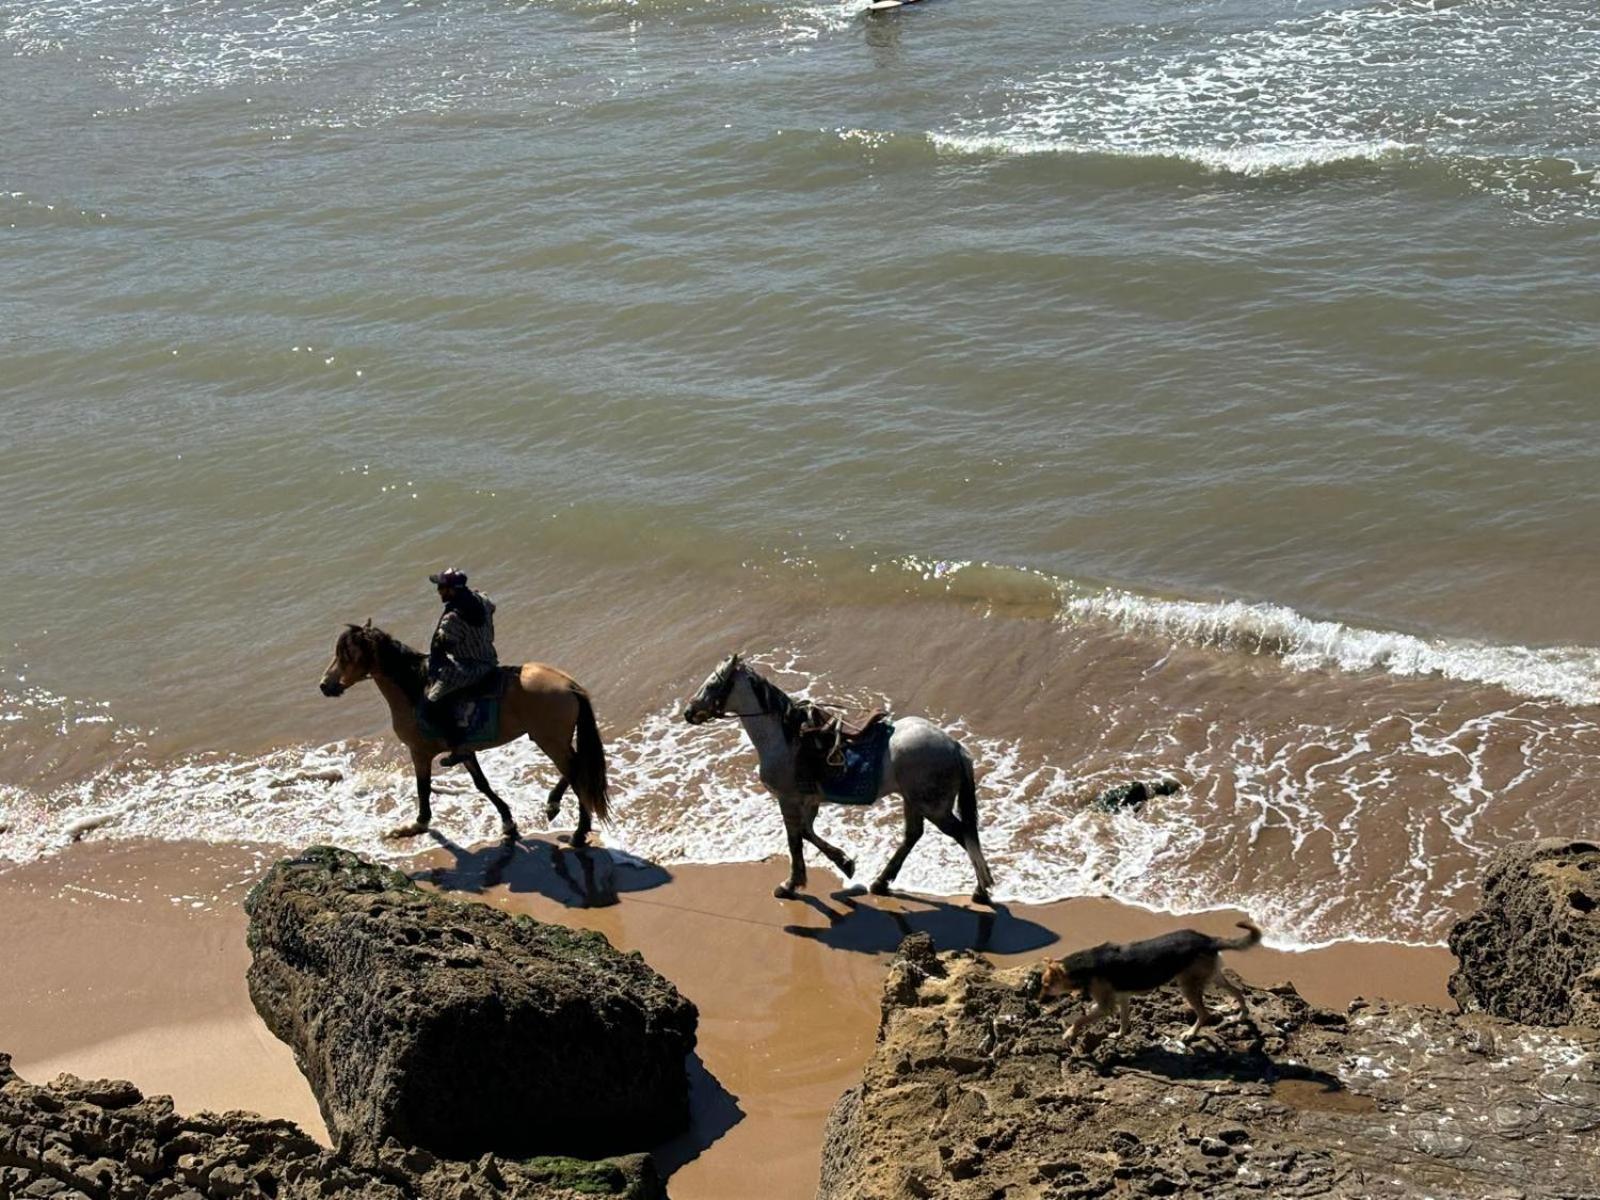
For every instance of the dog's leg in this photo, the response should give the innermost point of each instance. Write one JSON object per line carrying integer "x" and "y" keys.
{"x": 1194, "y": 994}
{"x": 1102, "y": 1001}
{"x": 1123, "y": 1004}
{"x": 1093, "y": 1013}
{"x": 1228, "y": 986}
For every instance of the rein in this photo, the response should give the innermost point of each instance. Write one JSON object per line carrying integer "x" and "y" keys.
{"x": 760, "y": 712}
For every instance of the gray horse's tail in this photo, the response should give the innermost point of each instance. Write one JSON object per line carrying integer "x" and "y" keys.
{"x": 967, "y": 813}
{"x": 589, "y": 760}
{"x": 967, "y": 801}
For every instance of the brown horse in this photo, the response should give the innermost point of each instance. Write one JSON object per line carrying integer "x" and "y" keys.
{"x": 537, "y": 700}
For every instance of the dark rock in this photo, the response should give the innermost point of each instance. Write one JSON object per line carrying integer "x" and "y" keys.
{"x": 1531, "y": 952}
{"x": 459, "y": 1028}
{"x": 103, "y": 1140}
{"x": 1392, "y": 1101}
{"x": 1133, "y": 795}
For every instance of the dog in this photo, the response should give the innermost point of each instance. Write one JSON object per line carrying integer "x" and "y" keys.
{"x": 1109, "y": 973}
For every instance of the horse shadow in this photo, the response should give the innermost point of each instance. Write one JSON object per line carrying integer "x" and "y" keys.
{"x": 591, "y": 877}
{"x": 713, "y": 1110}
{"x": 868, "y": 929}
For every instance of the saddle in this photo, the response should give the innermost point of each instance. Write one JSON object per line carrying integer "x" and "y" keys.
{"x": 828, "y": 745}
{"x": 475, "y": 708}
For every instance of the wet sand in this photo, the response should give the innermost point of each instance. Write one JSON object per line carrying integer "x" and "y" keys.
{"x": 127, "y": 959}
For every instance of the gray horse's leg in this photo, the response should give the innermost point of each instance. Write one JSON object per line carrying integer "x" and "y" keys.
{"x": 956, "y": 829}
{"x": 794, "y": 827}
{"x": 422, "y": 765}
{"x": 846, "y": 864}
{"x": 508, "y": 824}
{"x": 552, "y": 804}
{"x": 880, "y": 885}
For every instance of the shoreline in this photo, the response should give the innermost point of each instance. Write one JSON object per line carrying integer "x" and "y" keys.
{"x": 127, "y": 960}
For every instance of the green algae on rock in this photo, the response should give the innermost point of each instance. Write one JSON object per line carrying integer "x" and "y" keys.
{"x": 77, "y": 1139}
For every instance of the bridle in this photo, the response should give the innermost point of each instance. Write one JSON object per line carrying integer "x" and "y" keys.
{"x": 723, "y": 682}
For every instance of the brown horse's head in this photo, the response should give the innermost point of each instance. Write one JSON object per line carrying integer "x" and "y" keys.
{"x": 353, "y": 657}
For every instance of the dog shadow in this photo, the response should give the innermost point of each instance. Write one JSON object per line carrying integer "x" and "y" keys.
{"x": 856, "y": 924}
{"x": 592, "y": 877}
{"x": 1206, "y": 1058}
{"x": 713, "y": 1110}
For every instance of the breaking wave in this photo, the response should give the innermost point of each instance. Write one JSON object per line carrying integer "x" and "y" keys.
{"x": 1568, "y": 674}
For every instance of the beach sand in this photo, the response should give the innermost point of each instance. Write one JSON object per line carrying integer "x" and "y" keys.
{"x": 127, "y": 960}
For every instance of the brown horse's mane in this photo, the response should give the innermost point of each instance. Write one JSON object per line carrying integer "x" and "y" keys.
{"x": 407, "y": 667}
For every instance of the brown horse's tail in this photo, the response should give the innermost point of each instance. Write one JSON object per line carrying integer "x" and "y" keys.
{"x": 588, "y": 772}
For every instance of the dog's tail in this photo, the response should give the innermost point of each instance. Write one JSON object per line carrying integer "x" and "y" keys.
{"x": 1251, "y": 937}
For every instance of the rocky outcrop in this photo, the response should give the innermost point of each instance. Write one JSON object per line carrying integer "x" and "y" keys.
{"x": 969, "y": 1095}
{"x": 458, "y": 1028}
{"x": 103, "y": 1140}
{"x": 1531, "y": 952}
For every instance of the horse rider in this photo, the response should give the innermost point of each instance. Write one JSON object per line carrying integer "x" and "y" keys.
{"x": 460, "y": 655}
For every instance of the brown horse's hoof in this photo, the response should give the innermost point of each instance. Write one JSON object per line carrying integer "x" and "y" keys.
{"x": 784, "y": 891}
{"x": 509, "y": 833}
{"x": 981, "y": 896}
{"x": 406, "y": 831}
{"x": 880, "y": 887}
{"x": 848, "y": 866}
{"x": 551, "y": 812}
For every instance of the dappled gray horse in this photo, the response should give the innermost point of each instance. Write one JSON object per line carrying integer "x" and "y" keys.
{"x": 923, "y": 763}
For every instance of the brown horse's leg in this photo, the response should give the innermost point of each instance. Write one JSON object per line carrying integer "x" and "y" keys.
{"x": 552, "y": 804}
{"x": 560, "y": 753}
{"x": 880, "y": 885}
{"x": 580, "y": 835}
{"x": 794, "y": 826}
{"x": 508, "y": 825}
{"x": 422, "y": 764}
{"x": 846, "y": 864}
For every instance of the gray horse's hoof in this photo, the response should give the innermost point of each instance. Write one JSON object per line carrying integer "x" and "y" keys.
{"x": 406, "y": 831}
{"x": 880, "y": 887}
{"x": 784, "y": 891}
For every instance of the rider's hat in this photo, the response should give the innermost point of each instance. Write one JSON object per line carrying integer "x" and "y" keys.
{"x": 449, "y": 577}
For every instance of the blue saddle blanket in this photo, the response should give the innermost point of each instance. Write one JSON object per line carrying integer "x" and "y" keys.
{"x": 855, "y": 781}
{"x": 478, "y": 716}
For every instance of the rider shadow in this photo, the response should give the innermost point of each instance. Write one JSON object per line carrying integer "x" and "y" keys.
{"x": 591, "y": 877}
{"x": 713, "y": 1110}
{"x": 868, "y": 929}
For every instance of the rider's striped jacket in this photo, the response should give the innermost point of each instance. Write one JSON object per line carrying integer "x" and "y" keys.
{"x": 462, "y": 651}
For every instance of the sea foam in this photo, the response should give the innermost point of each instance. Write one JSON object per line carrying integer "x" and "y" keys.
{"x": 1294, "y": 823}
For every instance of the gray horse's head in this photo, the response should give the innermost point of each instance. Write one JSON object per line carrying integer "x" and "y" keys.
{"x": 711, "y": 701}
